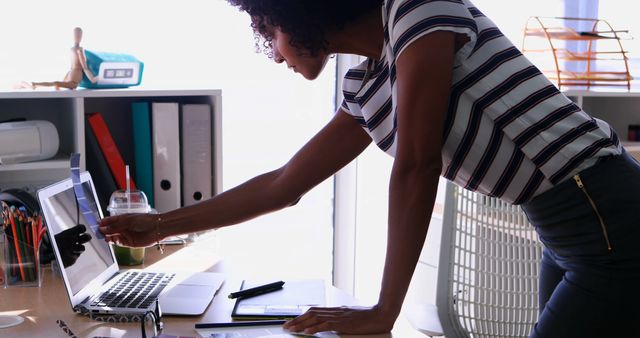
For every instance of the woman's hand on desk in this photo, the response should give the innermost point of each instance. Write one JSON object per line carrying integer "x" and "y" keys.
{"x": 135, "y": 230}
{"x": 343, "y": 320}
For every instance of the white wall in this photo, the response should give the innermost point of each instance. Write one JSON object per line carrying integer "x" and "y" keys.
{"x": 268, "y": 112}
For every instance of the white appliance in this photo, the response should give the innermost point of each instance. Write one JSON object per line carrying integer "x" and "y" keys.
{"x": 28, "y": 141}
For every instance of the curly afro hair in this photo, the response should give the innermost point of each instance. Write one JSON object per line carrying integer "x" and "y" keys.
{"x": 307, "y": 22}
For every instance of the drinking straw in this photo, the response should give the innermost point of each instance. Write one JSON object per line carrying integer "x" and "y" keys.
{"x": 128, "y": 187}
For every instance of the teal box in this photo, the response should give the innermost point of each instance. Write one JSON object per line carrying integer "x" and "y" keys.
{"x": 113, "y": 70}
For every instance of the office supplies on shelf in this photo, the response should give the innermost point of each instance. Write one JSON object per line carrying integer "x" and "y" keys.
{"x": 98, "y": 167}
{"x": 109, "y": 149}
{"x": 26, "y": 141}
{"x": 196, "y": 153}
{"x": 258, "y": 290}
{"x": 68, "y": 109}
{"x": 295, "y": 298}
{"x": 166, "y": 155}
{"x": 94, "y": 283}
{"x": 142, "y": 148}
{"x": 240, "y": 324}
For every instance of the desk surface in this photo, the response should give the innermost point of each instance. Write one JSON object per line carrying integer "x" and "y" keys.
{"x": 41, "y": 307}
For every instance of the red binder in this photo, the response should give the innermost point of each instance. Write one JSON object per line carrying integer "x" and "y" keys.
{"x": 109, "y": 150}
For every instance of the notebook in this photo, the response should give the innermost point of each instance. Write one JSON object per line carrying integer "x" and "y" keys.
{"x": 294, "y": 299}
{"x": 94, "y": 282}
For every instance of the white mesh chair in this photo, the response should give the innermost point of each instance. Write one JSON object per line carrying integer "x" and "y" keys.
{"x": 488, "y": 271}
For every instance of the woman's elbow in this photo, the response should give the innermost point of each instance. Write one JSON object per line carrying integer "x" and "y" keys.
{"x": 284, "y": 194}
{"x": 418, "y": 166}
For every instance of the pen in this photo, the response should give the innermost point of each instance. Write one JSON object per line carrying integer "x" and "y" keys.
{"x": 258, "y": 290}
{"x": 239, "y": 324}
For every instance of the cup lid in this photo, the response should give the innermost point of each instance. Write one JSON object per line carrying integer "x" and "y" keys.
{"x": 134, "y": 201}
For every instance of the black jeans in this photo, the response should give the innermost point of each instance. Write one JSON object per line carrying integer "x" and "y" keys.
{"x": 590, "y": 270}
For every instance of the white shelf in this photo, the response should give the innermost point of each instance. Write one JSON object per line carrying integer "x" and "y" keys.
{"x": 620, "y": 108}
{"x": 56, "y": 163}
{"x": 106, "y": 93}
{"x": 66, "y": 109}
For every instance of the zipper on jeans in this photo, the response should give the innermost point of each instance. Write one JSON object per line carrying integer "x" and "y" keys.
{"x": 593, "y": 205}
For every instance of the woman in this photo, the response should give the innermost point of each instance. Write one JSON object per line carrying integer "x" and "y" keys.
{"x": 445, "y": 93}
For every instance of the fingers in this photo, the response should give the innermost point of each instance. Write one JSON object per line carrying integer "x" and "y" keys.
{"x": 78, "y": 229}
{"x": 77, "y": 249}
{"x": 114, "y": 225}
{"x": 74, "y": 231}
{"x": 323, "y": 326}
{"x": 84, "y": 238}
{"x": 315, "y": 320}
{"x": 349, "y": 320}
{"x": 111, "y": 238}
{"x": 111, "y": 225}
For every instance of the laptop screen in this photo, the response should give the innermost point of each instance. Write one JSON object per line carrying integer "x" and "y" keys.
{"x": 62, "y": 213}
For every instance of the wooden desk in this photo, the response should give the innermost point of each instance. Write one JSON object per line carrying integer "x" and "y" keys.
{"x": 41, "y": 307}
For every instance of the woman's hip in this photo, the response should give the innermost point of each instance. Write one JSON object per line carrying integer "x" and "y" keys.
{"x": 593, "y": 219}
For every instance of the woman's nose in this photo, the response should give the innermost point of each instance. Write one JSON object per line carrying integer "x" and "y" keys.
{"x": 277, "y": 57}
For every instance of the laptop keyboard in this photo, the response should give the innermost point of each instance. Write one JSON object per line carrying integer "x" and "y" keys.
{"x": 134, "y": 290}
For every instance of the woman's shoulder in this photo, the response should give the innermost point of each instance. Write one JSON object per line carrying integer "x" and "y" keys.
{"x": 356, "y": 74}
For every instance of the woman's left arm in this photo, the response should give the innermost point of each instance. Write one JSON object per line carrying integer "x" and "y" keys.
{"x": 424, "y": 75}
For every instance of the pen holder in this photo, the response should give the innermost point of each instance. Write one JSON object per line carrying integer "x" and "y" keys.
{"x": 19, "y": 262}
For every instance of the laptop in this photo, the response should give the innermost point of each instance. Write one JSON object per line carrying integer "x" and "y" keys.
{"x": 94, "y": 281}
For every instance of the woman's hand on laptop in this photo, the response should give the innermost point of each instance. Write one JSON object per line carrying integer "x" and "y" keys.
{"x": 134, "y": 230}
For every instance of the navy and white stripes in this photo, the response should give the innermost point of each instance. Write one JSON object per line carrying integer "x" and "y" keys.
{"x": 508, "y": 131}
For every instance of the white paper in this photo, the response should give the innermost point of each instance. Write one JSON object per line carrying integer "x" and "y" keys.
{"x": 258, "y": 332}
{"x": 295, "y": 298}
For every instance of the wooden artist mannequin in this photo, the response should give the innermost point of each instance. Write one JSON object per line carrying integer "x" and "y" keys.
{"x": 74, "y": 76}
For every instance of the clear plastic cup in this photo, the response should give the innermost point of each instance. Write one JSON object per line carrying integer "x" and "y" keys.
{"x": 128, "y": 202}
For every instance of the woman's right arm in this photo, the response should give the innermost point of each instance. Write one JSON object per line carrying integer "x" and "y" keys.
{"x": 333, "y": 147}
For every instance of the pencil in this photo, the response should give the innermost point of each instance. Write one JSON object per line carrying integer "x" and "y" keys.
{"x": 25, "y": 245}
{"x": 15, "y": 242}
{"x": 34, "y": 234}
{"x": 22, "y": 242}
{"x": 27, "y": 228}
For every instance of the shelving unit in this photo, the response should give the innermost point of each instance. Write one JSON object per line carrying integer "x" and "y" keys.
{"x": 618, "y": 108}
{"x": 547, "y": 41}
{"x": 67, "y": 110}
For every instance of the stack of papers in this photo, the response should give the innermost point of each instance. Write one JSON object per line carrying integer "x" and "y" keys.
{"x": 266, "y": 332}
{"x": 294, "y": 299}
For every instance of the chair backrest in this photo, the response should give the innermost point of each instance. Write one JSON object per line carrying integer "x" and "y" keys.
{"x": 489, "y": 265}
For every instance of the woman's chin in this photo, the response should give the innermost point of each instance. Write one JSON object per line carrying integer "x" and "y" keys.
{"x": 308, "y": 75}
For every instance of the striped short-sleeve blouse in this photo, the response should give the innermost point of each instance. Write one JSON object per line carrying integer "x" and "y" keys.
{"x": 508, "y": 131}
